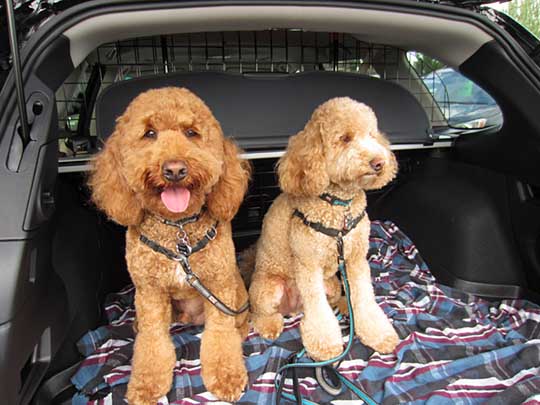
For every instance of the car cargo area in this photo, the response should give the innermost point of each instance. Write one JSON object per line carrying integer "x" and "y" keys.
{"x": 296, "y": 70}
{"x": 454, "y": 244}
{"x": 88, "y": 256}
{"x": 451, "y": 210}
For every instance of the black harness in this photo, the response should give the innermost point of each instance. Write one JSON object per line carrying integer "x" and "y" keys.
{"x": 183, "y": 250}
{"x": 348, "y": 223}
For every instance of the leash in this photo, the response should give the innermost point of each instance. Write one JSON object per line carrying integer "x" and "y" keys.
{"x": 183, "y": 250}
{"x": 334, "y": 386}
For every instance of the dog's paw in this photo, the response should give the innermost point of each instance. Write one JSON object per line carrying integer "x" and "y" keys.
{"x": 322, "y": 343}
{"x": 222, "y": 364}
{"x": 146, "y": 392}
{"x": 225, "y": 380}
{"x": 382, "y": 338}
{"x": 387, "y": 343}
{"x": 321, "y": 350}
{"x": 269, "y": 327}
{"x": 152, "y": 368}
{"x": 140, "y": 398}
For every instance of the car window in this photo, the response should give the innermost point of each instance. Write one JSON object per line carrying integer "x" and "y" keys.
{"x": 464, "y": 104}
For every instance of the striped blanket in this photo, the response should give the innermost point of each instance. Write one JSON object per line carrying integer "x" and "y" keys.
{"x": 455, "y": 347}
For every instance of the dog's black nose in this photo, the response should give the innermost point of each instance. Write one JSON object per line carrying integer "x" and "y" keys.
{"x": 174, "y": 170}
{"x": 377, "y": 164}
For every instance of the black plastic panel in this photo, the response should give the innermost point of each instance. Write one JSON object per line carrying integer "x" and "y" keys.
{"x": 24, "y": 187}
{"x": 262, "y": 111}
{"x": 458, "y": 217}
{"x": 515, "y": 149}
{"x": 33, "y": 299}
{"x": 55, "y": 65}
{"x": 33, "y": 306}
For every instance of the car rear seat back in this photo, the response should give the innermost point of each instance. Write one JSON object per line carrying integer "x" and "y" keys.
{"x": 262, "y": 111}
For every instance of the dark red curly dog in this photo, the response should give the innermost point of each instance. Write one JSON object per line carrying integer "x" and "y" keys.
{"x": 168, "y": 159}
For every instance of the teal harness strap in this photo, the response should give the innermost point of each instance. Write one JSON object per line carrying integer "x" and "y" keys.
{"x": 292, "y": 363}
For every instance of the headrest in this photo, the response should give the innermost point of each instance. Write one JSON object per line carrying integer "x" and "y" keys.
{"x": 262, "y": 111}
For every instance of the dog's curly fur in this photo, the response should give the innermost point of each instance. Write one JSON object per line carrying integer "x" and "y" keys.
{"x": 332, "y": 154}
{"x": 126, "y": 185}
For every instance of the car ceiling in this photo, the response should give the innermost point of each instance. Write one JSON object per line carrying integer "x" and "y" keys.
{"x": 450, "y": 41}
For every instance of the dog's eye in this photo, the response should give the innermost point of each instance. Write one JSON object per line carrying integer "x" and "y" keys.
{"x": 150, "y": 133}
{"x": 190, "y": 133}
{"x": 345, "y": 138}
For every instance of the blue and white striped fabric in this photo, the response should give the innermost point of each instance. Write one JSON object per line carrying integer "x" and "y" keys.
{"x": 455, "y": 348}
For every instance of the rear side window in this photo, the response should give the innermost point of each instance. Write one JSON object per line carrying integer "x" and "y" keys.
{"x": 464, "y": 104}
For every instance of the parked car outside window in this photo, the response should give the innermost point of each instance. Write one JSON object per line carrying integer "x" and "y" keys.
{"x": 463, "y": 103}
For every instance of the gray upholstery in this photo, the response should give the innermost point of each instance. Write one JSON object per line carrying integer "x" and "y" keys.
{"x": 262, "y": 111}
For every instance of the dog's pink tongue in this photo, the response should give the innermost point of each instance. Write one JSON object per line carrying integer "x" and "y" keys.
{"x": 176, "y": 199}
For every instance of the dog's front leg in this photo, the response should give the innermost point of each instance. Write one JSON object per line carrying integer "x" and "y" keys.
{"x": 223, "y": 370}
{"x": 371, "y": 324}
{"x": 321, "y": 334}
{"x": 265, "y": 296}
{"x": 154, "y": 356}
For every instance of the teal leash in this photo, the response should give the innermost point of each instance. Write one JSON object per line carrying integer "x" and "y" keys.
{"x": 281, "y": 374}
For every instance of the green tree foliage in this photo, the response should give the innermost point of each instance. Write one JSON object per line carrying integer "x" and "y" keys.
{"x": 423, "y": 64}
{"x": 527, "y": 13}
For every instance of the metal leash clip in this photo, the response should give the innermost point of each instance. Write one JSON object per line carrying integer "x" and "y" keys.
{"x": 183, "y": 246}
{"x": 183, "y": 260}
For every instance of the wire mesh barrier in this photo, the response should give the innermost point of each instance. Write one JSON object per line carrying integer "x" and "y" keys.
{"x": 269, "y": 52}
{"x": 281, "y": 52}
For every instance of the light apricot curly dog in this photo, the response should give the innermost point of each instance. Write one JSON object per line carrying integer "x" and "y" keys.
{"x": 166, "y": 161}
{"x": 323, "y": 174}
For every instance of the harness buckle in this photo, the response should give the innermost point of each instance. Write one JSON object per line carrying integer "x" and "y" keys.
{"x": 211, "y": 233}
{"x": 347, "y": 222}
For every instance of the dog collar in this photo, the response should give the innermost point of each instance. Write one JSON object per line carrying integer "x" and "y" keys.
{"x": 182, "y": 221}
{"x": 333, "y": 200}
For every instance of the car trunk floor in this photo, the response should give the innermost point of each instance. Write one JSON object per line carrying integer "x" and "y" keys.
{"x": 455, "y": 347}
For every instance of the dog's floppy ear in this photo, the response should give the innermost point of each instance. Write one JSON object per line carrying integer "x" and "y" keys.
{"x": 226, "y": 196}
{"x": 110, "y": 191}
{"x": 302, "y": 170}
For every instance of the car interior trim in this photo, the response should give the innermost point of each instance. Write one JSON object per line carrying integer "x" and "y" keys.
{"x": 82, "y": 164}
{"x": 453, "y": 42}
